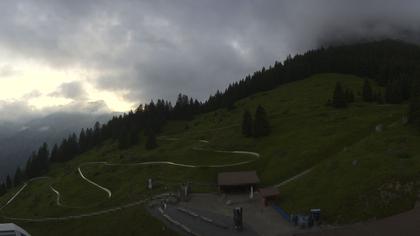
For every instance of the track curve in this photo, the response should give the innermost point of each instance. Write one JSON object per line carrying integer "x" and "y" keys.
{"x": 255, "y": 156}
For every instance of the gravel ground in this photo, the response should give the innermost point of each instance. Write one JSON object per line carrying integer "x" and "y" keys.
{"x": 265, "y": 221}
{"x": 258, "y": 219}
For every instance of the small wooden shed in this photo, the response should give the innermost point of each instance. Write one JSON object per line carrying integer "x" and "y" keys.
{"x": 268, "y": 194}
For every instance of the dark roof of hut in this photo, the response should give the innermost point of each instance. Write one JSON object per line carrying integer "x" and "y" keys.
{"x": 237, "y": 178}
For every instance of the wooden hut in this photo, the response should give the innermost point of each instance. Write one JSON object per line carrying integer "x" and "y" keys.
{"x": 237, "y": 181}
{"x": 269, "y": 194}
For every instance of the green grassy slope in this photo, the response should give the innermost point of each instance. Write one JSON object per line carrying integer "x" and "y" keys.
{"x": 305, "y": 134}
{"x": 375, "y": 177}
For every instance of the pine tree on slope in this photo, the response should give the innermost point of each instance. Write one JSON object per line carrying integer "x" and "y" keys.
{"x": 247, "y": 124}
{"x": 367, "y": 93}
{"x": 414, "y": 109}
{"x": 339, "y": 97}
{"x": 261, "y": 124}
{"x": 151, "y": 141}
{"x": 8, "y": 182}
{"x": 18, "y": 177}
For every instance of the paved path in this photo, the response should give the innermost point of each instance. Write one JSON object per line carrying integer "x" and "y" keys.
{"x": 93, "y": 183}
{"x": 293, "y": 178}
{"x": 201, "y": 227}
{"x": 20, "y": 190}
{"x": 14, "y": 196}
{"x": 58, "y": 196}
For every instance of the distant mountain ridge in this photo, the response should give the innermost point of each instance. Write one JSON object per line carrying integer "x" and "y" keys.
{"x": 17, "y": 141}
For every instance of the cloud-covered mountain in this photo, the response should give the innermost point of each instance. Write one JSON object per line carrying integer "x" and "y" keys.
{"x": 17, "y": 141}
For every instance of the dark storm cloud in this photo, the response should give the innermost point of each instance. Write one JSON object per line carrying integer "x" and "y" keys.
{"x": 155, "y": 48}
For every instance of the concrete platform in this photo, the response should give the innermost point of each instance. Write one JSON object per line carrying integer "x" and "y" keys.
{"x": 263, "y": 220}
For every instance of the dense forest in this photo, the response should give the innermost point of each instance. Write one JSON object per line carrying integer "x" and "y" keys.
{"x": 392, "y": 64}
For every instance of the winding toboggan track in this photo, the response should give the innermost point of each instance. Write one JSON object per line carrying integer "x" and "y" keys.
{"x": 254, "y": 156}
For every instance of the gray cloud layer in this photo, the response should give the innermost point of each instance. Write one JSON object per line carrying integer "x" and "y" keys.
{"x": 159, "y": 48}
{"x": 73, "y": 90}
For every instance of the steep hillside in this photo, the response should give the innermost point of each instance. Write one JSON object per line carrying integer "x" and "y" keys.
{"x": 356, "y": 172}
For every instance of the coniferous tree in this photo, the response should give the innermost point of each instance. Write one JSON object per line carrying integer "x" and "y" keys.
{"x": 261, "y": 124}
{"x": 247, "y": 124}
{"x": 414, "y": 109}
{"x": 389, "y": 93}
{"x": 367, "y": 92}
{"x": 406, "y": 83}
{"x": 124, "y": 139}
{"x": 183, "y": 108}
{"x": 62, "y": 151}
{"x": 398, "y": 93}
{"x": 28, "y": 168}
{"x": 18, "y": 177}
{"x": 393, "y": 92}
{"x": 3, "y": 189}
{"x": 83, "y": 141}
{"x": 230, "y": 104}
{"x": 38, "y": 163}
{"x": 54, "y": 154}
{"x": 349, "y": 96}
{"x": 378, "y": 97}
{"x": 42, "y": 160}
{"x": 134, "y": 137}
{"x": 89, "y": 138}
{"x": 151, "y": 141}
{"x": 74, "y": 145}
{"x": 339, "y": 97}
{"x": 8, "y": 182}
{"x": 97, "y": 133}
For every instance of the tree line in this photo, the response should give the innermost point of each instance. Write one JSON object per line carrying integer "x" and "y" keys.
{"x": 341, "y": 97}
{"x": 396, "y": 92}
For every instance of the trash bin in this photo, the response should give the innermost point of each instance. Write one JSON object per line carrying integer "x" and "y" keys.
{"x": 316, "y": 215}
{"x": 237, "y": 218}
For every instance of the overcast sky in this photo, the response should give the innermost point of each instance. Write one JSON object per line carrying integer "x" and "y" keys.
{"x": 108, "y": 55}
